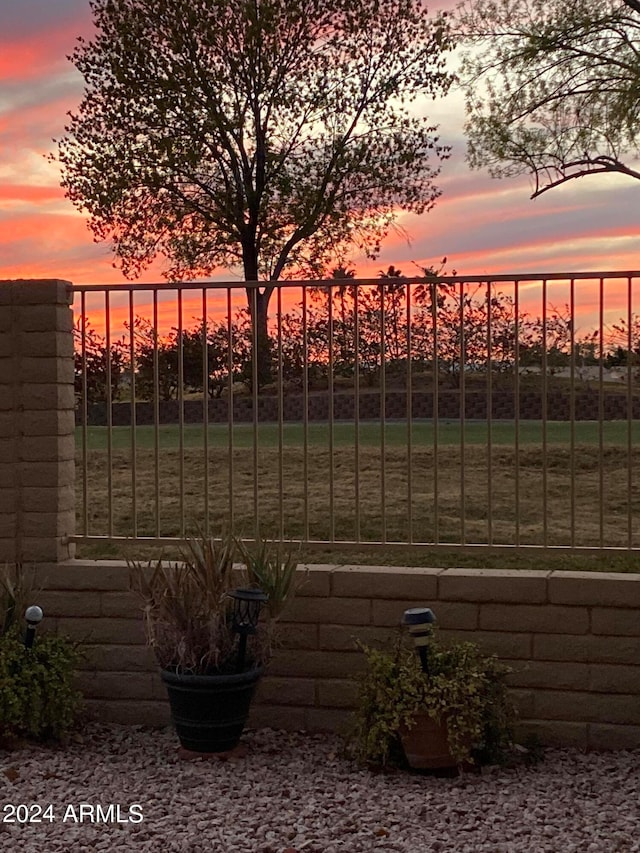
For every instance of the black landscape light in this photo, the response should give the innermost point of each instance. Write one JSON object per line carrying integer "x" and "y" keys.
{"x": 247, "y": 604}
{"x": 419, "y": 621}
{"x": 33, "y": 615}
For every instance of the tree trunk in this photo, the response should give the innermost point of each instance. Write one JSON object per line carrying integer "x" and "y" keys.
{"x": 258, "y": 308}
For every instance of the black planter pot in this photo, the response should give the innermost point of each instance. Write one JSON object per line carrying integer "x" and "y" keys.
{"x": 210, "y": 711}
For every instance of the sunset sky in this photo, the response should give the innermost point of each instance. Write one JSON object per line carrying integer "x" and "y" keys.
{"x": 482, "y": 225}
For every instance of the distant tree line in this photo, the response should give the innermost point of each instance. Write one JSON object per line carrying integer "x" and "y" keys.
{"x": 344, "y": 329}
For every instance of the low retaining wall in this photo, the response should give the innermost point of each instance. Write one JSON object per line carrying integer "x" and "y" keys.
{"x": 557, "y": 404}
{"x": 572, "y": 639}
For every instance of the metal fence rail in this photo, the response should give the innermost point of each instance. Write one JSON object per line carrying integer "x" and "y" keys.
{"x": 494, "y": 412}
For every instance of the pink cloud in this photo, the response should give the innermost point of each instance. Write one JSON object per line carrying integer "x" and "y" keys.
{"x": 483, "y": 226}
{"x": 43, "y": 47}
{"x": 27, "y": 59}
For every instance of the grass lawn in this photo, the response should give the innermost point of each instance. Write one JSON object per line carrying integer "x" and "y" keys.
{"x": 497, "y": 495}
{"x": 396, "y": 434}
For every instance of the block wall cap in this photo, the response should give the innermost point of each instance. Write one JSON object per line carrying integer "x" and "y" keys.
{"x": 90, "y": 565}
{"x": 627, "y": 577}
{"x": 386, "y": 570}
{"x": 39, "y": 291}
{"x": 605, "y": 589}
{"x": 517, "y": 574}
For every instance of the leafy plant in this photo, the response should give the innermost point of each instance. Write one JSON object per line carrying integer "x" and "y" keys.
{"x": 463, "y": 688}
{"x": 188, "y": 606}
{"x": 37, "y": 694}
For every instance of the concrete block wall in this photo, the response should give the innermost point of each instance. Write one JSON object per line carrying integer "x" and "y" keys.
{"x": 37, "y": 443}
{"x": 572, "y": 640}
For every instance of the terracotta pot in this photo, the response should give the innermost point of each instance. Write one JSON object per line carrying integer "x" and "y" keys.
{"x": 426, "y": 744}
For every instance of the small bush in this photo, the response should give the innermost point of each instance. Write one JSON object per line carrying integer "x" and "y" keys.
{"x": 37, "y": 695}
{"x": 463, "y": 687}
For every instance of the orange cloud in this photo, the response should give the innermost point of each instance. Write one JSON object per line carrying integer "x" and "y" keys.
{"x": 29, "y": 193}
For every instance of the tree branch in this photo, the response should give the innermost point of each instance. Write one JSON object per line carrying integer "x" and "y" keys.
{"x": 602, "y": 164}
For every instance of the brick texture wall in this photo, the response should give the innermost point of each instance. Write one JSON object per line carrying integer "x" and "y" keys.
{"x": 572, "y": 640}
{"x": 37, "y": 444}
{"x": 503, "y": 406}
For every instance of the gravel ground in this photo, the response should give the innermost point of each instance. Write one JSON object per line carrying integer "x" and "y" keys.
{"x": 295, "y": 793}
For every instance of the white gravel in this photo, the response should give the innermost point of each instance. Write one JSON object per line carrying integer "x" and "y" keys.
{"x": 294, "y": 792}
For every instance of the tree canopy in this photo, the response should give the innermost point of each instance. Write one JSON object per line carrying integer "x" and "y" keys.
{"x": 553, "y": 87}
{"x": 260, "y": 134}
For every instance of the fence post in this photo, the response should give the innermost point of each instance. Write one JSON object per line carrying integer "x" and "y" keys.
{"x": 37, "y": 444}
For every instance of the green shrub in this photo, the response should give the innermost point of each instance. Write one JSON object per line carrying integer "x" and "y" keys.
{"x": 463, "y": 687}
{"x": 37, "y": 695}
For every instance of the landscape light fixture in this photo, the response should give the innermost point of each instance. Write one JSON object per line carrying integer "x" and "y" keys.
{"x": 419, "y": 621}
{"x": 247, "y": 604}
{"x": 33, "y": 615}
